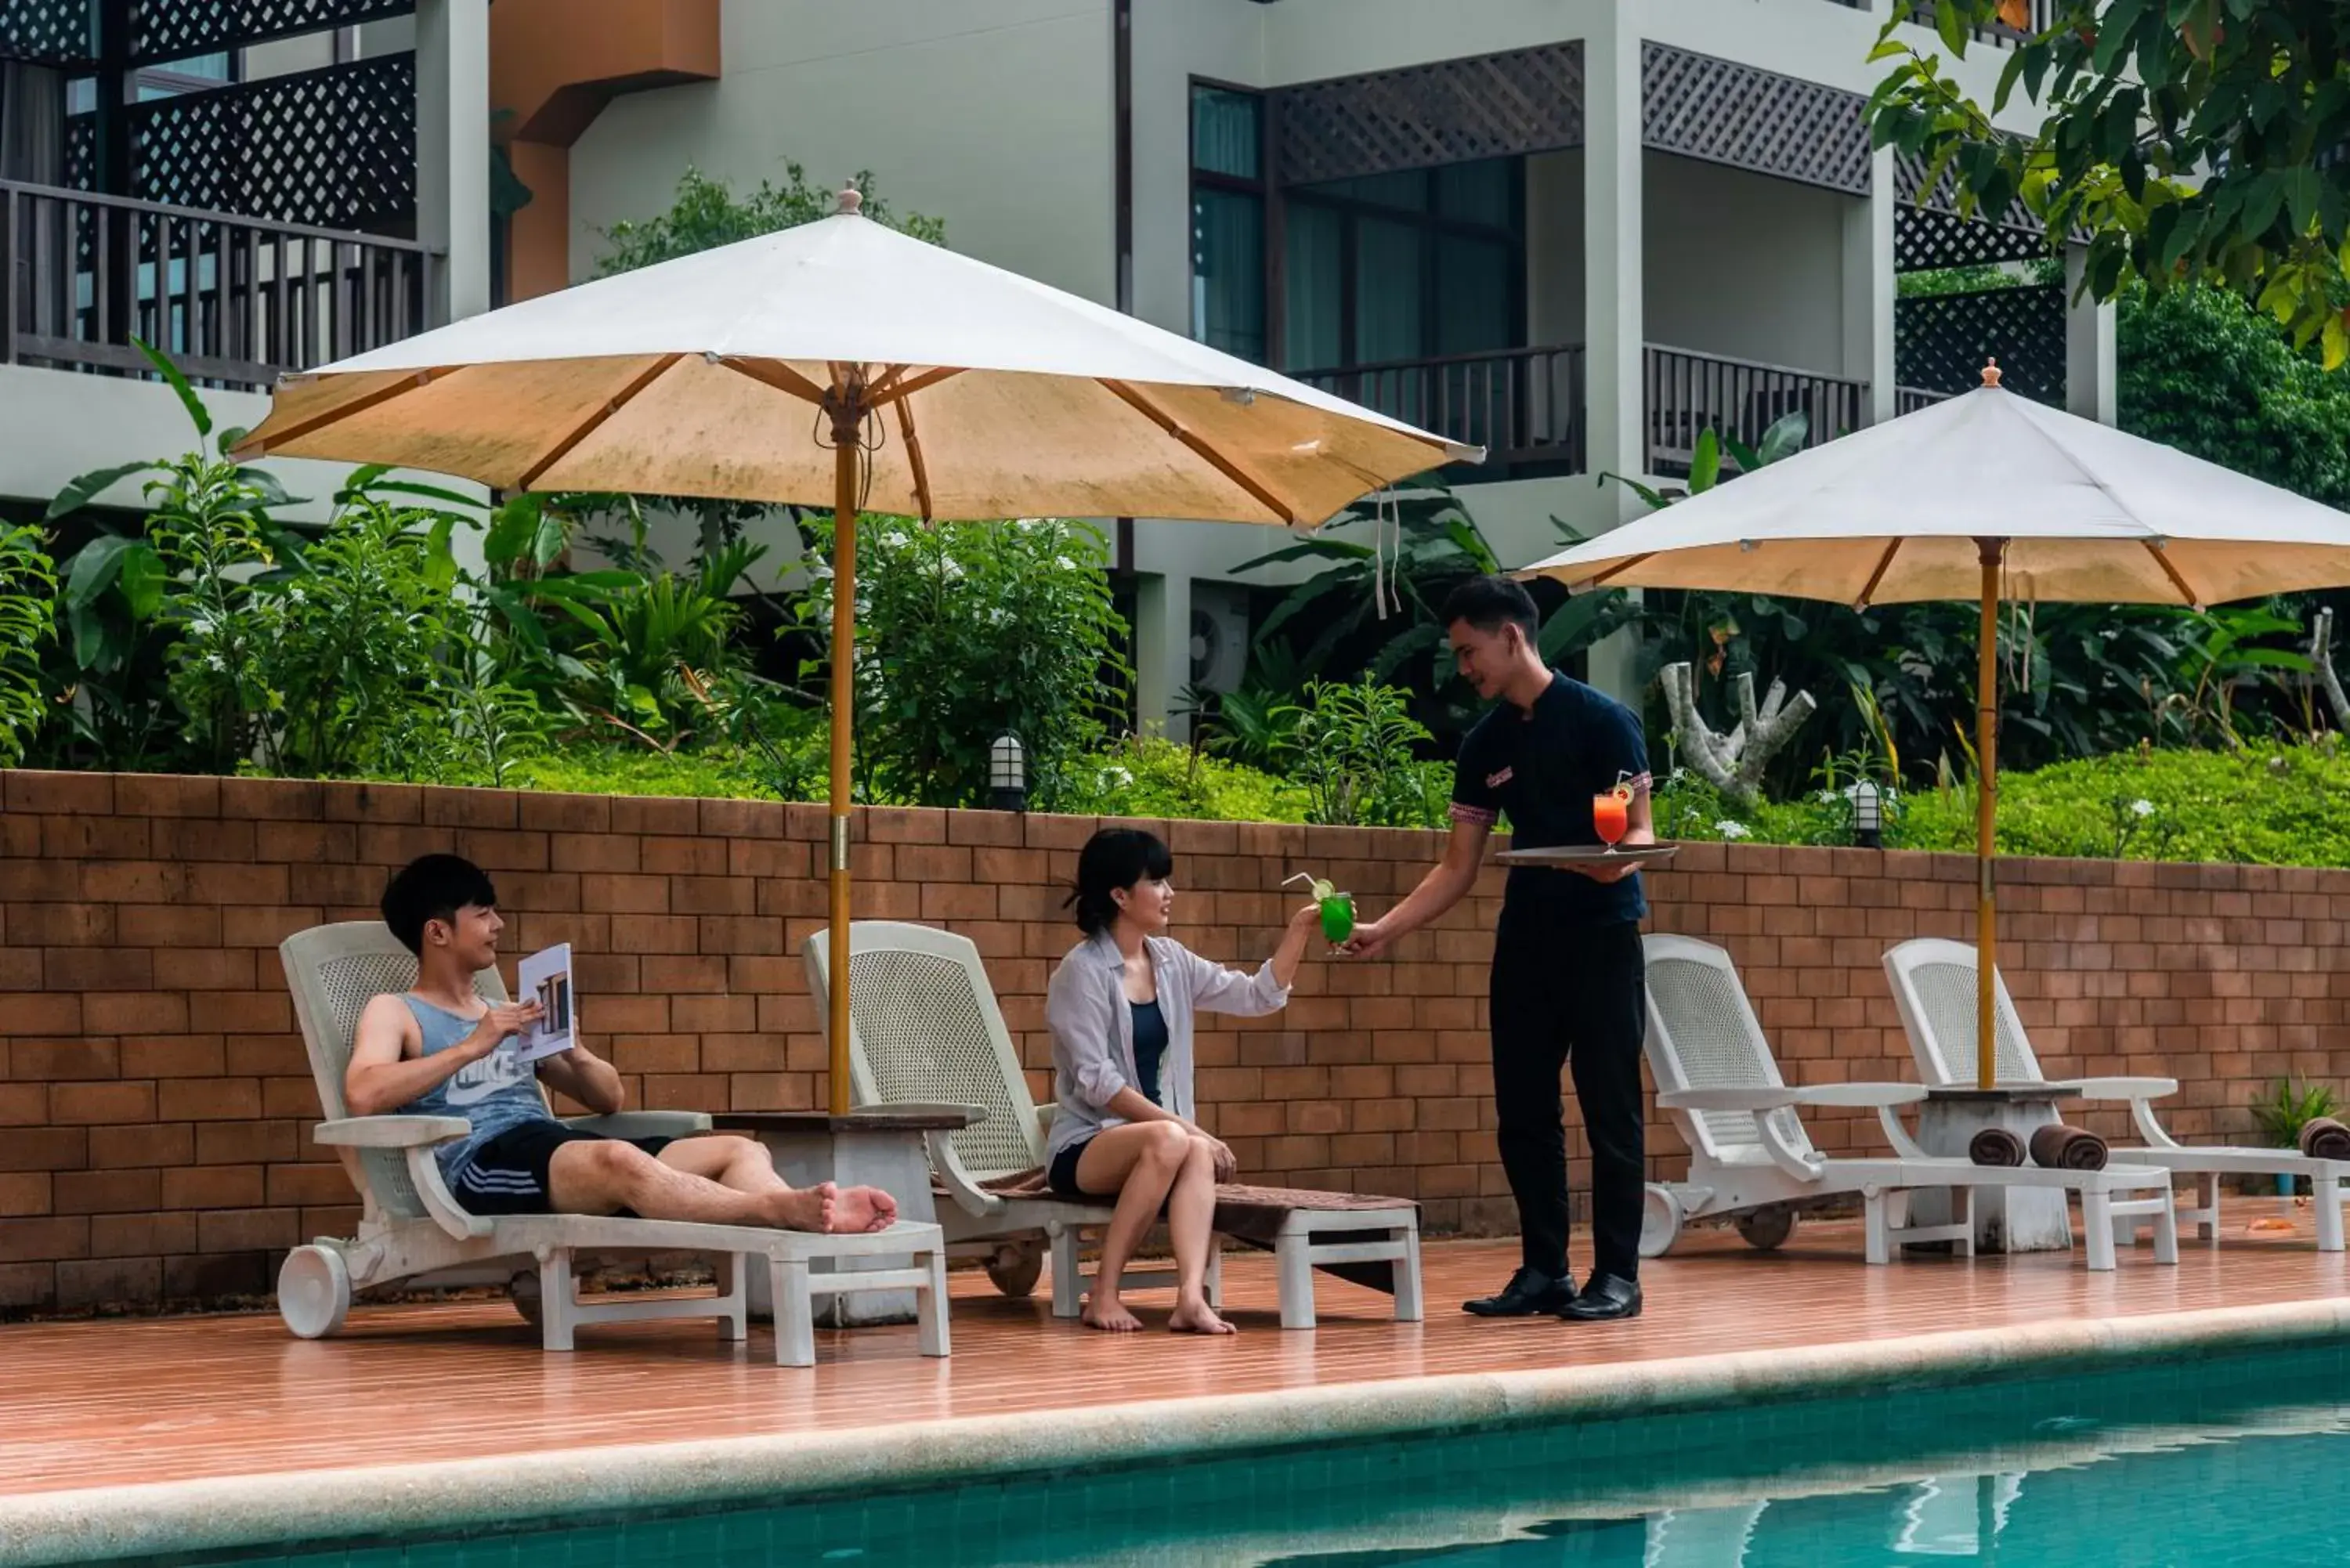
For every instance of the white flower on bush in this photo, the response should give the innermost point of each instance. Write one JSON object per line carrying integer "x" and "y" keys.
{"x": 1116, "y": 778}
{"x": 1734, "y": 831}
{"x": 1829, "y": 797}
{"x": 2141, "y": 809}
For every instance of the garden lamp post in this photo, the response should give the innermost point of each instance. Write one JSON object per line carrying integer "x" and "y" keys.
{"x": 1867, "y": 815}
{"x": 1007, "y": 773}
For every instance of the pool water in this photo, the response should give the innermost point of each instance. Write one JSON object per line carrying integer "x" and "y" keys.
{"x": 2183, "y": 1464}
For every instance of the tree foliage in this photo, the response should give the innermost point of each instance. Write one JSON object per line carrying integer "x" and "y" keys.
{"x": 706, "y": 214}
{"x": 2195, "y": 141}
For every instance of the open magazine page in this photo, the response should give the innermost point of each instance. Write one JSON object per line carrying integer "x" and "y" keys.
{"x": 544, "y": 977}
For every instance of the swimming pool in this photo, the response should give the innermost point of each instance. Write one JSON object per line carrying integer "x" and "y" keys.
{"x": 2193, "y": 1462}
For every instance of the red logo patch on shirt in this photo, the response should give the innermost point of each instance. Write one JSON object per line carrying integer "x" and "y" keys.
{"x": 1495, "y": 781}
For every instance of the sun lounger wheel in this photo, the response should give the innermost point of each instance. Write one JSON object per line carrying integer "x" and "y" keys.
{"x": 314, "y": 1291}
{"x": 1661, "y": 1221}
{"x": 1768, "y": 1227}
{"x": 1015, "y": 1267}
{"x": 523, "y": 1289}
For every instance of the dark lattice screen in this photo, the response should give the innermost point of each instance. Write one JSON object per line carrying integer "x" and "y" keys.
{"x": 48, "y": 32}
{"x": 1940, "y": 341}
{"x": 1725, "y": 112}
{"x": 335, "y": 148}
{"x": 1449, "y": 111}
{"x": 175, "y": 29}
{"x": 1933, "y": 235}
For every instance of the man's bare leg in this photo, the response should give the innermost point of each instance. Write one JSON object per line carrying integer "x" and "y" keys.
{"x": 602, "y": 1176}
{"x": 746, "y": 1165}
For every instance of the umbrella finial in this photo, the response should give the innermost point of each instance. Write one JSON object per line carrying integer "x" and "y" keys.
{"x": 1990, "y": 372}
{"x": 851, "y": 200}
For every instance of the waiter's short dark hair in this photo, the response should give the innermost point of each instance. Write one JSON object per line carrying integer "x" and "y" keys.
{"x": 433, "y": 888}
{"x": 1113, "y": 860}
{"x": 1488, "y": 603}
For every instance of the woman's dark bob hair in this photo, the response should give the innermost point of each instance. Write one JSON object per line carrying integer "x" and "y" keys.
{"x": 1113, "y": 860}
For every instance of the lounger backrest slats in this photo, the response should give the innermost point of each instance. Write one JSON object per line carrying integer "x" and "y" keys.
{"x": 1934, "y": 986}
{"x": 924, "y": 1028}
{"x": 334, "y": 971}
{"x": 1703, "y": 1034}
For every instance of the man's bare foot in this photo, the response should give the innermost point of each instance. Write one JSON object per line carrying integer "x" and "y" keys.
{"x": 813, "y": 1207}
{"x": 1110, "y": 1316}
{"x": 1197, "y": 1317}
{"x": 859, "y": 1208}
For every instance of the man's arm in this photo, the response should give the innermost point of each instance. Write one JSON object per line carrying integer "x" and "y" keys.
{"x": 382, "y": 1076}
{"x": 1446, "y": 884}
{"x": 585, "y": 1077}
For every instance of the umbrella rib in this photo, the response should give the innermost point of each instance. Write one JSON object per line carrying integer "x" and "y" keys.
{"x": 914, "y": 457}
{"x": 898, "y": 391}
{"x": 315, "y": 422}
{"x": 781, "y": 377}
{"x": 1878, "y": 575}
{"x": 1617, "y": 570}
{"x": 1261, "y": 493}
{"x": 595, "y": 421}
{"x": 2161, "y": 558}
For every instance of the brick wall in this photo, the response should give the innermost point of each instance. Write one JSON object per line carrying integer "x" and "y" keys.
{"x": 154, "y": 1097}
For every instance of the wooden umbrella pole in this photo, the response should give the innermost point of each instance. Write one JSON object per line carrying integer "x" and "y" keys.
{"x": 1986, "y": 810}
{"x": 847, "y": 421}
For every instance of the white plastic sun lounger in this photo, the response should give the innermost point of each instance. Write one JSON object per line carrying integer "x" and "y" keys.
{"x": 925, "y": 1029}
{"x": 413, "y": 1229}
{"x": 1749, "y": 1153}
{"x": 1934, "y": 986}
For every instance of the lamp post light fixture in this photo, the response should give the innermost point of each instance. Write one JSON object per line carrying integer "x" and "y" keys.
{"x": 1007, "y": 773}
{"x": 1867, "y": 815}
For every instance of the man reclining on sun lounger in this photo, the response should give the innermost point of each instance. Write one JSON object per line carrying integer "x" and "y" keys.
{"x": 441, "y": 1050}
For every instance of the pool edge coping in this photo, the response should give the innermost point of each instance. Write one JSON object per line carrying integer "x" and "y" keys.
{"x": 371, "y": 1502}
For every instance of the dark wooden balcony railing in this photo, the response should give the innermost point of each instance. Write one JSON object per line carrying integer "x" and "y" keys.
{"x": 1524, "y": 406}
{"x": 2043, "y": 13}
{"x": 234, "y": 301}
{"x": 1909, "y": 400}
{"x": 1688, "y": 393}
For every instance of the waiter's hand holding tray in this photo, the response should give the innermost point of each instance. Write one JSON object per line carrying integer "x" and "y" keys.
{"x": 1575, "y": 856}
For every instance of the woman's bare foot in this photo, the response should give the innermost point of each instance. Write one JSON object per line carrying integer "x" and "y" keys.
{"x": 859, "y": 1208}
{"x": 813, "y": 1207}
{"x": 1197, "y": 1317}
{"x": 1110, "y": 1316}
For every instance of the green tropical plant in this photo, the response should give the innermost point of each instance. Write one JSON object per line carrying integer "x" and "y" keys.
{"x": 28, "y": 585}
{"x": 2287, "y": 1110}
{"x": 968, "y": 630}
{"x": 1355, "y": 757}
{"x": 705, "y": 213}
{"x": 2196, "y": 141}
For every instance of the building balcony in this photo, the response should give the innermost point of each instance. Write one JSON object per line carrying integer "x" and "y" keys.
{"x": 1528, "y": 406}
{"x": 235, "y": 301}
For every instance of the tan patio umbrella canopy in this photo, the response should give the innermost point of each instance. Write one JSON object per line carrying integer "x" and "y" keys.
{"x": 1987, "y": 496}
{"x": 842, "y": 362}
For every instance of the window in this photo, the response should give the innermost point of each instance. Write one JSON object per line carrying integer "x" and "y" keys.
{"x": 1407, "y": 265}
{"x": 1228, "y": 221}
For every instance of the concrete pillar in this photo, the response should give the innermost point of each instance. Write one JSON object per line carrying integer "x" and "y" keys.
{"x": 1614, "y": 298}
{"x": 2090, "y": 369}
{"x": 453, "y": 151}
{"x": 1162, "y": 651}
{"x": 1868, "y": 290}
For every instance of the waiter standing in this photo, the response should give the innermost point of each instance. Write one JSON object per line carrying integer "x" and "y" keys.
{"x": 1567, "y": 972}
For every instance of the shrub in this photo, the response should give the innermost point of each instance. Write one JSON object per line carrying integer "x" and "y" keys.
{"x": 28, "y": 583}
{"x": 1354, "y": 756}
{"x": 1152, "y": 776}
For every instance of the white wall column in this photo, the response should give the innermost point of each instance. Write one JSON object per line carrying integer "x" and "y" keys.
{"x": 1162, "y": 650}
{"x": 1615, "y": 307}
{"x": 2090, "y": 371}
{"x": 453, "y": 151}
{"x": 1868, "y": 289}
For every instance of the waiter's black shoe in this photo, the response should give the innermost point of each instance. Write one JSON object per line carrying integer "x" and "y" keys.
{"x": 1604, "y": 1298}
{"x": 1529, "y": 1294}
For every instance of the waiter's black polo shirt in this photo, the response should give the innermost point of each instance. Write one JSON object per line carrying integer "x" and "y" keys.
{"x": 1539, "y": 769}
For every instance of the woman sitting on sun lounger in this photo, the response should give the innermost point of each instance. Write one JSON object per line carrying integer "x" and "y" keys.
{"x": 1120, "y": 1010}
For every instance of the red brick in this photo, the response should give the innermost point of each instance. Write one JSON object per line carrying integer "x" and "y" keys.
{"x": 217, "y": 1187}
{"x": 685, "y": 857}
{"x": 31, "y": 790}
{"x": 266, "y": 926}
{"x": 276, "y": 800}
{"x": 62, "y": 925}
{"x": 609, "y": 852}
{"x": 210, "y": 1277}
{"x": 304, "y": 1186}
{"x": 248, "y": 1143}
{"x": 48, "y": 1060}
{"x": 44, "y": 1239}
{"x": 20, "y": 969}
{"x": 27, "y": 1146}
{"x": 35, "y": 878}
{"x": 208, "y": 1099}
{"x": 97, "y": 968}
{"x": 166, "y": 794}
{"x": 240, "y": 1013}
{"x": 758, "y": 934}
{"x": 646, "y": 813}
{"x": 81, "y": 1104}
{"x": 25, "y": 1194}
{"x": 239, "y": 1230}
{"x": 106, "y": 1191}
{"x": 505, "y": 851}
{"x": 167, "y": 926}
{"x": 29, "y": 1284}
{"x": 742, "y": 819}
{"x": 130, "y": 1012}
{"x": 131, "y": 1235}
{"x": 624, "y": 895}
{"x": 664, "y": 973}
{"x": 137, "y": 1148}
{"x": 712, "y": 894}
{"x": 178, "y": 839}
{"x": 334, "y": 883}
{"x": 85, "y": 1284}
{"x": 208, "y": 969}
{"x": 565, "y": 812}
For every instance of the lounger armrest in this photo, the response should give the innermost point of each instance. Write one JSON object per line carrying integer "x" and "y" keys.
{"x": 2126, "y": 1088}
{"x": 392, "y": 1132}
{"x": 1764, "y": 1097}
{"x": 643, "y": 1124}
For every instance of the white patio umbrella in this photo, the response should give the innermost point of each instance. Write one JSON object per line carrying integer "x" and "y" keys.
{"x": 1985, "y": 496}
{"x": 842, "y": 362}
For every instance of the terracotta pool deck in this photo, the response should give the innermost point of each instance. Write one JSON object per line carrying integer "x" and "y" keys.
{"x": 132, "y": 1403}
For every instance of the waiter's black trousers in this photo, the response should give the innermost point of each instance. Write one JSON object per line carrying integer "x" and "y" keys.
{"x": 1573, "y": 997}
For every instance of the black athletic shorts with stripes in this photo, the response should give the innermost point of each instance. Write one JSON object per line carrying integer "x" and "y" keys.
{"x": 508, "y": 1175}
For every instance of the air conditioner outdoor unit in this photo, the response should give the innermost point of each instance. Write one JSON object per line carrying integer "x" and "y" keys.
{"x": 1219, "y": 635}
